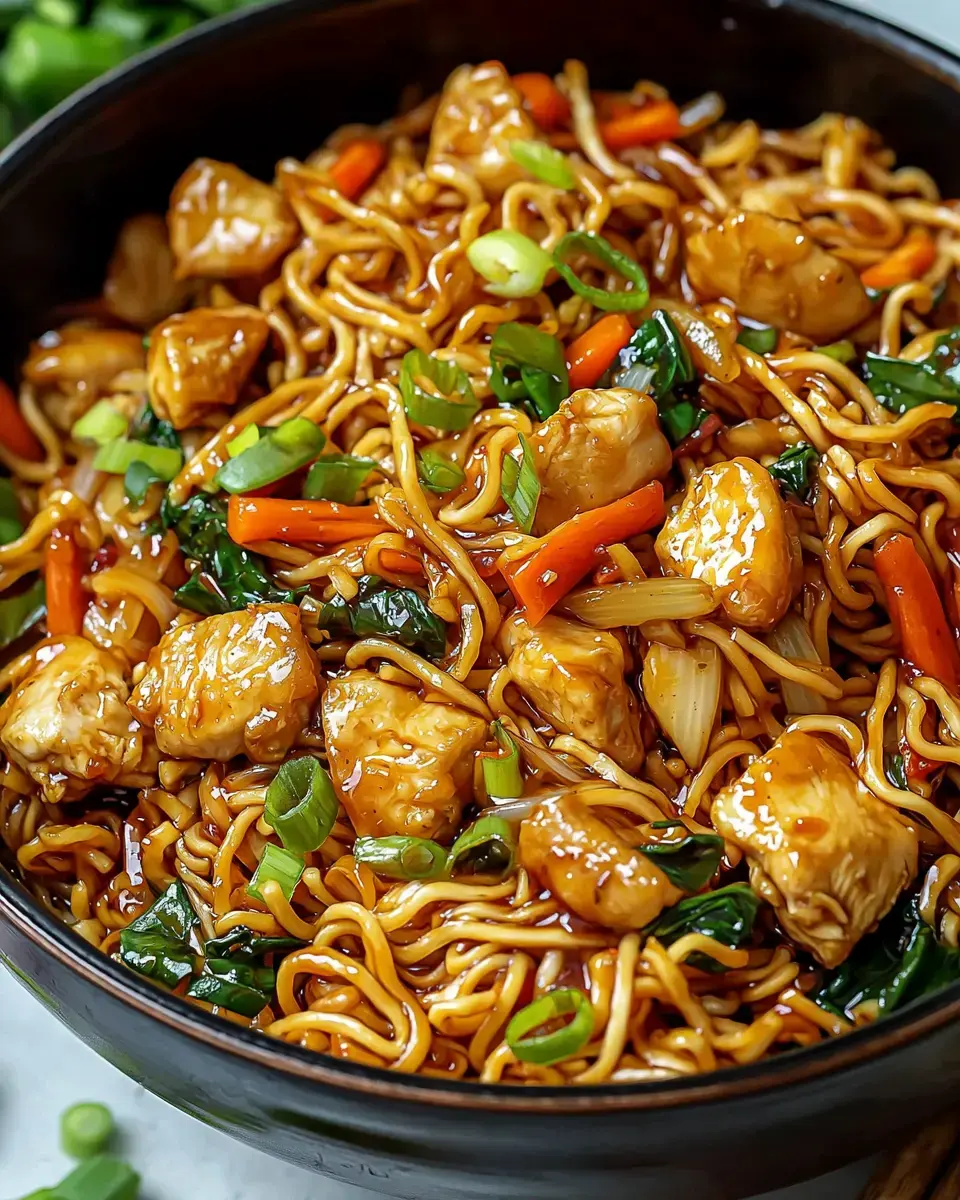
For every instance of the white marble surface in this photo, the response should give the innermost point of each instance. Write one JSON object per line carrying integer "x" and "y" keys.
{"x": 43, "y": 1069}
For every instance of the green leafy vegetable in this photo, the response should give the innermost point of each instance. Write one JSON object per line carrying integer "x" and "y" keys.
{"x": 520, "y": 487}
{"x": 601, "y": 251}
{"x": 448, "y": 403}
{"x": 690, "y": 862}
{"x": 236, "y": 986}
{"x": 528, "y": 364}
{"x": 437, "y": 473}
{"x": 301, "y": 805}
{"x": 793, "y": 468}
{"x": 275, "y": 455}
{"x": 241, "y": 942}
{"x": 659, "y": 347}
{"x": 900, "y": 385}
{"x": 337, "y": 477}
{"x": 378, "y": 608}
{"x": 153, "y": 431}
{"x": 11, "y": 527}
{"x": 727, "y": 915}
{"x": 399, "y": 857}
{"x": 896, "y": 771}
{"x": 761, "y": 339}
{"x": 21, "y": 611}
{"x": 487, "y": 847}
{"x": 42, "y": 64}
{"x": 156, "y": 943}
{"x": 137, "y": 481}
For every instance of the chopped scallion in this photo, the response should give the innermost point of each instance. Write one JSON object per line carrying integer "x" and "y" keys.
{"x": 117, "y": 456}
{"x": 20, "y": 611}
{"x": 243, "y": 441}
{"x": 399, "y": 857}
{"x": 544, "y": 162}
{"x": 761, "y": 339}
{"x": 11, "y": 527}
{"x": 843, "y": 352}
{"x": 553, "y": 1047}
{"x": 451, "y": 405}
{"x": 520, "y": 487}
{"x": 512, "y": 264}
{"x": 278, "y": 866}
{"x": 438, "y": 473}
{"x": 501, "y": 774}
{"x": 101, "y": 424}
{"x": 301, "y": 805}
{"x": 337, "y": 477}
{"x": 600, "y": 249}
{"x": 278, "y": 453}
{"x": 85, "y": 1129}
{"x": 99, "y": 1178}
{"x": 487, "y": 847}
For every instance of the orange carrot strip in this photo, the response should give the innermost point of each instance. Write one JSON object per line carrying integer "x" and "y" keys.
{"x": 63, "y": 575}
{"x": 656, "y": 122}
{"x": 264, "y": 519}
{"x": 594, "y": 351}
{"x": 15, "y": 433}
{"x": 914, "y": 256}
{"x": 356, "y": 166}
{"x": 915, "y": 608}
{"x": 547, "y": 104}
{"x": 400, "y": 562}
{"x": 568, "y": 552}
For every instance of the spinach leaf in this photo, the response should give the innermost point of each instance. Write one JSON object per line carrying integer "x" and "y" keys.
{"x": 900, "y": 385}
{"x": 895, "y": 770}
{"x": 149, "y": 428}
{"x": 137, "y": 481}
{"x": 239, "y": 987}
{"x": 528, "y": 365}
{"x": 378, "y": 608}
{"x": 659, "y": 346}
{"x": 11, "y": 526}
{"x": 242, "y": 943}
{"x": 689, "y": 863}
{"x": 727, "y": 915}
{"x": 21, "y": 611}
{"x": 155, "y": 944}
{"x": 170, "y": 914}
{"x": 792, "y": 469}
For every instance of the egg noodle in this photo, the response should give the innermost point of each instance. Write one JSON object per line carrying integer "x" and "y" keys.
{"x": 749, "y": 617}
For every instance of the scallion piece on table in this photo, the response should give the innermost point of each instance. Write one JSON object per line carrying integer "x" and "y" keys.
{"x": 278, "y": 453}
{"x": 513, "y": 265}
{"x": 278, "y": 866}
{"x": 558, "y": 1044}
{"x": 487, "y": 847}
{"x": 520, "y": 487}
{"x": 527, "y": 363}
{"x": 501, "y": 774}
{"x": 337, "y": 477}
{"x": 243, "y": 441}
{"x": 761, "y": 339}
{"x": 101, "y": 424}
{"x": 11, "y": 526}
{"x": 301, "y": 805}
{"x": 599, "y": 248}
{"x": 99, "y": 1178}
{"x": 448, "y": 403}
{"x": 85, "y": 1129}
{"x": 544, "y": 162}
{"x": 118, "y": 456}
{"x": 398, "y": 857}
{"x": 438, "y": 473}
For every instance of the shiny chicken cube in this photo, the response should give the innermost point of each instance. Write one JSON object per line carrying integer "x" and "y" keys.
{"x": 140, "y": 287}
{"x": 199, "y": 360}
{"x": 597, "y": 447}
{"x": 68, "y": 726}
{"x": 828, "y": 854}
{"x": 574, "y": 677}
{"x": 734, "y": 532}
{"x": 400, "y": 764}
{"x": 480, "y": 113}
{"x": 775, "y": 273}
{"x": 237, "y": 683}
{"x": 76, "y": 357}
{"x": 224, "y": 223}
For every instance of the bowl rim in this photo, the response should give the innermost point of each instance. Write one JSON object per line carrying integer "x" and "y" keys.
{"x": 56, "y": 940}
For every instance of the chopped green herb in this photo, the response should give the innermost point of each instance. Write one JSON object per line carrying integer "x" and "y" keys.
{"x": 520, "y": 487}
{"x": 793, "y": 468}
{"x": 378, "y": 608}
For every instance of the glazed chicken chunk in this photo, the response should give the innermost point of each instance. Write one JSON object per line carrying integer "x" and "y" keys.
{"x": 236, "y": 683}
{"x": 775, "y": 273}
{"x": 480, "y": 113}
{"x": 140, "y": 287}
{"x": 199, "y": 360}
{"x": 224, "y": 223}
{"x": 400, "y": 764}
{"x": 87, "y": 359}
{"x": 574, "y": 677}
{"x": 68, "y": 726}
{"x": 734, "y": 532}
{"x": 597, "y": 447}
{"x": 822, "y": 849}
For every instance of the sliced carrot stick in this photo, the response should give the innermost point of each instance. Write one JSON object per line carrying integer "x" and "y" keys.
{"x": 915, "y": 608}
{"x": 914, "y": 256}
{"x": 594, "y": 351}
{"x": 547, "y": 104}
{"x": 15, "y": 433}
{"x": 264, "y": 519}
{"x": 656, "y": 122}
{"x": 63, "y": 575}
{"x": 357, "y": 165}
{"x": 400, "y": 562}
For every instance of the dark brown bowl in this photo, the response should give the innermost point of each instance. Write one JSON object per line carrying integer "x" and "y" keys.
{"x": 274, "y": 81}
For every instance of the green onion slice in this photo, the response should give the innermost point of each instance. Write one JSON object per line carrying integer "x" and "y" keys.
{"x": 238, "y": 987}
{"x": 512, "y": 264}
{"x": 544, "y": 162}
{"x": 337, "y": 477}
{"x": 681, "y": 418}
{"x": 138, "y": 480}
{"x": 100, "y": 424}
{"x": 450, "y": 406}
{"x": 501, "y": 775}
{"x": 600, "y": 249}
{"x": 487, "y": 847}
{"x": 278, "y": 453}
{"x": 99, "y": 1178}
{"x": 761, "y": 339}
{"x": 520, "y": 487}
{"x": 279, "y": 866}
{"x": 844, "y": 352}
{"x": 11, "y": 527}
{"x": 21, "y": 611}
{"x": 402, "y": 857}
{"x": 118, "y": 456}
{"x": 85, "y": 1129}
{"x": 438, "y": 473}
{"x": 243, "y": 441}
{"x": 301, "y": 805}
{"x": 528, "y": 364}
{"x": 547, "y": 1048}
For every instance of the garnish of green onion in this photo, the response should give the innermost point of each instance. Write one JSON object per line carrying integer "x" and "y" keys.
{"x": 513, "y": 265}
{"x": 278, "y": 866}
{"x": 277, "y": 453}
{"x": 501, "y": 774}
{"x": 337, "y": 477}
{"x": 99, "y": 1178}
{"x": 553, "y": 1047}
{"x": 243, "y": 441}
{"x": 487, "y": 847}
{"x": 401, "y": 857}
{"x": 85, "y": 1129}
{"x": 844, "y": 352}
{"x": 520, "y": 487}
{"x": 118, "y": 456}
{"x": 301, "y": 805}
{"x": 438, "y": 473}
{"x": 448, "y": 404}
{"x": 101, "y": 424}
{"x": 601, "y": 251}
{"x": 544, "y": 162}
{"x": 761, "y": 339}
{"x": 137, "y": 481}
{"x": 11, "y": 527}
{"x": 528, "y": 364}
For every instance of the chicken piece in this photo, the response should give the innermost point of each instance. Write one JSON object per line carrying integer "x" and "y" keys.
{"x": 400, "y": 765}
{"x": 88, "y": 359}
{"x": 140, "y": 287}
{"x": 823, "y": 850}
{"x": 734, "y": 532}
{"x": 597, "y": 447}
{"x": 199, "y": 360}
{"x": 480, "y": 113}
{"x": 590, "y": 868}
{"x": 236, "y": 683}
{"x": 224, "y": 223}
{"x": 775, "y": 273}
{"x": 67, "y": 725}
{"x": 573, "y": 676}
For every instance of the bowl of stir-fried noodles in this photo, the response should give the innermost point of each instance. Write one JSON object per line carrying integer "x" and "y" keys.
{"x": 480, "y": 587}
